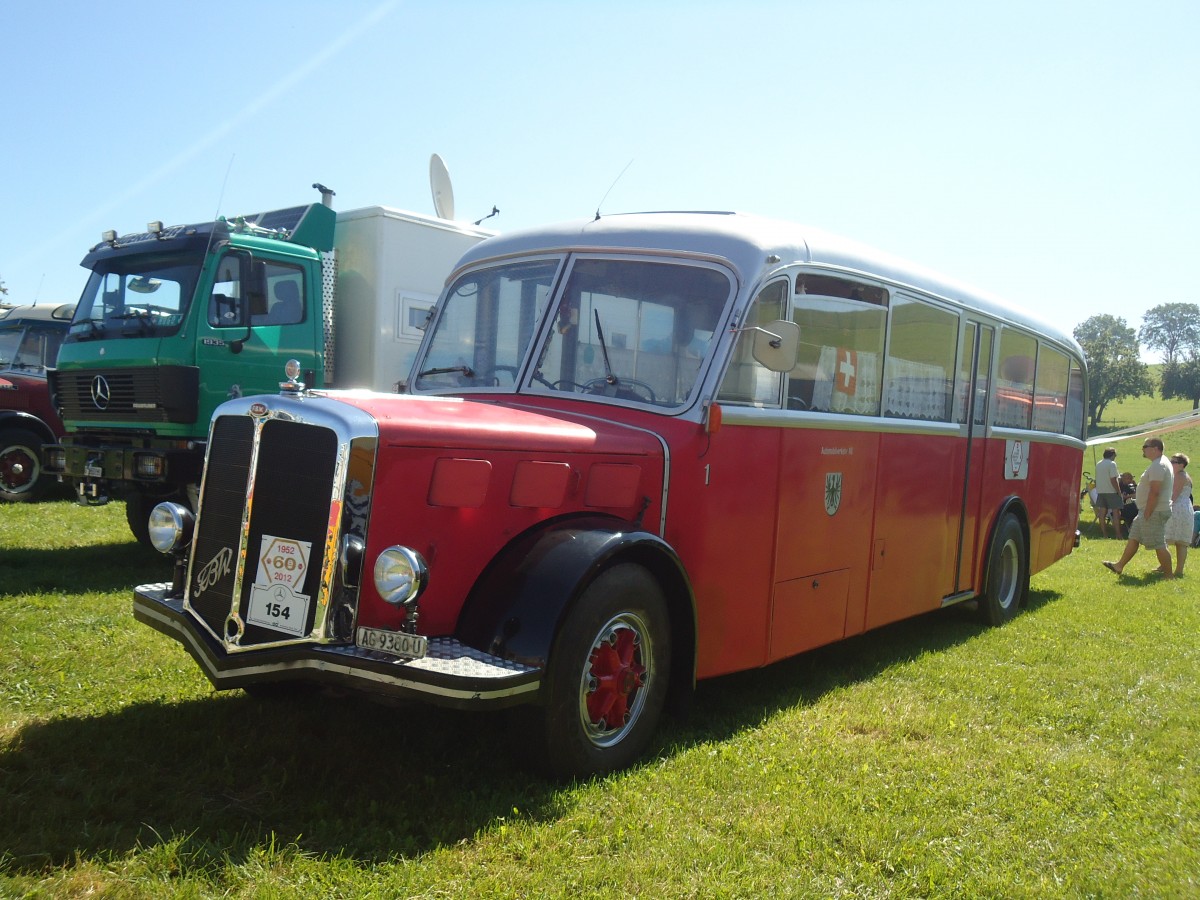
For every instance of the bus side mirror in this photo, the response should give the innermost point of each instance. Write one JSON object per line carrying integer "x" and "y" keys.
{"x": 777, "y": 345}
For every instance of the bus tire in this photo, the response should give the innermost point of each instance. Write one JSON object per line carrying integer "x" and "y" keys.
{"x": 20, "y": 466}
{"x": 1007, "y": 583}
{"x": 610, "y": 663}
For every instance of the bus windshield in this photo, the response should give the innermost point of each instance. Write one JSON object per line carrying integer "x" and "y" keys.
{"x": 136, "y": 296}
{"x": 628, "y": 330}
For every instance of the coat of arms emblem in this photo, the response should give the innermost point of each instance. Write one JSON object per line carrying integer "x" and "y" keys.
{"x": 833, "y": 492}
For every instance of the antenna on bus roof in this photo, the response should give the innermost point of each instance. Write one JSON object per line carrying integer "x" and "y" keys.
{"x": 610, "y": 187}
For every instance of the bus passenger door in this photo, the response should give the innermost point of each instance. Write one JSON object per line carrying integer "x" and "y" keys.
{"x": 928, "y": 496}
{"x": 972, "y": 411}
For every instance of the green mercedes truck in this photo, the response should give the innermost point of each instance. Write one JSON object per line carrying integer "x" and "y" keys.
{"x": 176, "y": 320}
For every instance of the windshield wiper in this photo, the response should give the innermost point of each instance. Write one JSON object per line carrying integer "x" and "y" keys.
{"x": 142, "y": 316}
{"x": 464, "y": 370}
{"x": 609, "y": 377}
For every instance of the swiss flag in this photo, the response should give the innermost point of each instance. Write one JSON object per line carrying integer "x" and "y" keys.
{"x": 846, "y": 377}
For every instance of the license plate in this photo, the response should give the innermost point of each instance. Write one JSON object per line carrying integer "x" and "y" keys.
{"x": 397, "y": 643}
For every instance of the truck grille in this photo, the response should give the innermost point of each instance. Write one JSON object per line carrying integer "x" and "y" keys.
{"x": 286, "y": 493}
{"x": 154, "y": 395}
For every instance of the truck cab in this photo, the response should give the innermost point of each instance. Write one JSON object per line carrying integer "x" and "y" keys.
{"x": 171, "y": 323}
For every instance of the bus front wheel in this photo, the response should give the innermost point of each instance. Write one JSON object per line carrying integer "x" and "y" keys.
{"x": 1007, "y": 582}
{"x": 606, "y": 680}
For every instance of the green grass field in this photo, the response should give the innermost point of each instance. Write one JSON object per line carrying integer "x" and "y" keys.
{"x": 1053, "y": 757}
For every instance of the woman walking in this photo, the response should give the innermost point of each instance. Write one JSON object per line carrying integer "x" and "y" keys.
{"x": 1182, "y": 522}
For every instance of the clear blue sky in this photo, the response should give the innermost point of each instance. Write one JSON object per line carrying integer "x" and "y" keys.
{"x": 1045, "y": 151}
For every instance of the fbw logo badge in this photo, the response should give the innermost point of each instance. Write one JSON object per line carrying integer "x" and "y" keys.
{"x": 833, "y": 492}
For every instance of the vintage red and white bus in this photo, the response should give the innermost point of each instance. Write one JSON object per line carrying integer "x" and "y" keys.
{"x": 633, "y": 453}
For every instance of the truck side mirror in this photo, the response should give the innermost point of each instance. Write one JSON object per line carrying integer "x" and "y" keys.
{"x": 256, "y": 289}
{"x": 777, "y": 345}
{"x": 254, "y": 301}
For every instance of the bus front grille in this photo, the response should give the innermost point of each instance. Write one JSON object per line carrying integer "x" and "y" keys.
{"x": 267, "y": 482}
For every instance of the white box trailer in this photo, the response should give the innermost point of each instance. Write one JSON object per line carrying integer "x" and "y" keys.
{"x": 391, "y": 266}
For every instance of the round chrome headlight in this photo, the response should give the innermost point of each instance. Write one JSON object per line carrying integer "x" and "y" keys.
{"x": 170, "y": 527}
{"x": 400, "y": 575}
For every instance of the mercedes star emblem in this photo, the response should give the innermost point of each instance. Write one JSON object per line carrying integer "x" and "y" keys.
{"x": 101, "y": 393}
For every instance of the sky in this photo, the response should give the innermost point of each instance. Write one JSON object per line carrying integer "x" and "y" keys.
{"x": 1043, "y": 151}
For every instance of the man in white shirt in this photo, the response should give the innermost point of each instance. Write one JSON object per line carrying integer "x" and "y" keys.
{"x": 1154, "y": 509}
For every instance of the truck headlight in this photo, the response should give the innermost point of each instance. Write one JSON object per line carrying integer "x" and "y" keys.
{"x": 400, "y": 575}
{"x": 148, "y": 465}
{"x": 171, "y": 527}
{"x": 56, "y": 459}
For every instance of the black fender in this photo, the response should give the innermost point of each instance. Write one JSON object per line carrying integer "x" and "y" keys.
{"x": 516, "y": 607}
{"x": 15, "y": 418}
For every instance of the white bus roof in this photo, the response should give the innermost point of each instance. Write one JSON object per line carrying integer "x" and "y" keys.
{"x": 745, "y": 242}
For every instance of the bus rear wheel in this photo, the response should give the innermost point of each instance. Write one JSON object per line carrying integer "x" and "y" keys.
{"x": 1007, "y": 584}
{"x": 606, "y": 680}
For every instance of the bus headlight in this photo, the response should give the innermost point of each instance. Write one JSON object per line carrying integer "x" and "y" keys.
{"x": 400, "y": 575}
{"x": 170, "y": 527}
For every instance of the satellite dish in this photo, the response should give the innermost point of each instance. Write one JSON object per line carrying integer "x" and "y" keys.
{"x": 439, "y": 183}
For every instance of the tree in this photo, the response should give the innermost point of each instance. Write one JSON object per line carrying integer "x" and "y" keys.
{"x": 1114, "y": 369}
{"x": 1181, "y": 380}
{"x": 1173, "y": 328}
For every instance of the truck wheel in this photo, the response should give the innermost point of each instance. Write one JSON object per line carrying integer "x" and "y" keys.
{"x": 1007, "y": 583}
{"x": 606, "y": 680}
{"x": 137, "y": 514}
{"x": 20, "y": 466}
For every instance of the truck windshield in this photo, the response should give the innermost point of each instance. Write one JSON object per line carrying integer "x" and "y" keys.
{"x": 628, "y": 330}
{"x": 136, "y": 296}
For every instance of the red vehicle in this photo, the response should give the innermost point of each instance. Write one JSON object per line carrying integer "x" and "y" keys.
{"x": 634, "y": 453}
{"x": 29, "y": 340}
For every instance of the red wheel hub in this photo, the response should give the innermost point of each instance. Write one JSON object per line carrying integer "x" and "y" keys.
{"x": 16, "y": 471}
{"x": 617, "y": 674}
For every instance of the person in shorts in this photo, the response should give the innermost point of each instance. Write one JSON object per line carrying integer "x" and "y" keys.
{"x": 1108, "y": 493}
{"x": 1154, "y": 509}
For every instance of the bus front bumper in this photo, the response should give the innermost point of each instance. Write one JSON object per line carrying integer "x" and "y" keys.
{"x": 452, "y": 674}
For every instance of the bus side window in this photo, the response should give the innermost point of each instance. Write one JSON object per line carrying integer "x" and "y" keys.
{"x": 1074, "y": 424}
{"x": 1050, "y": 394}
{"x": 919, "y": 371}
{"x": 842, "y": 326}
{"x": 747, "y": 381}
{"x": 966, "y": 359}
{"x": 1014, "y": 384}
